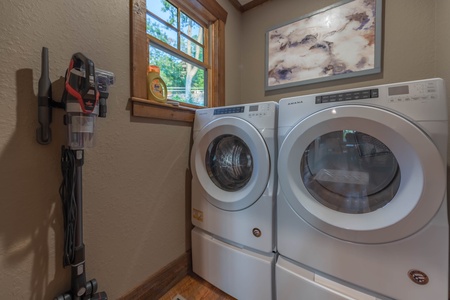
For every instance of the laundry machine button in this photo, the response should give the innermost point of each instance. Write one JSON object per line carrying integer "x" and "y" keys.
{"x": 257, "y": 232}
{"x": 418, "y": 277}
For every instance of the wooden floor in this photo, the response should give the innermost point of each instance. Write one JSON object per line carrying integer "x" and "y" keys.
{"x": 192, "y": 287}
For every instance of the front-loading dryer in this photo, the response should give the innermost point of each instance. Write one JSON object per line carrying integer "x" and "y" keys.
{"x": 233, "y": 164}
{"x": 362, "y": 205}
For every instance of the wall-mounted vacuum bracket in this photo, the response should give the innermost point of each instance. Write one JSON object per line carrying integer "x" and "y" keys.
{"x": 44, "y": 133}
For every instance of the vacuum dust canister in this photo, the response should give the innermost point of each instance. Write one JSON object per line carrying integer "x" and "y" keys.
{"x": 80, "y": 126}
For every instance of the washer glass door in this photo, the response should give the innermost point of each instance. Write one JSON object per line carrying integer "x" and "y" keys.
{"x": 230, "y": 162}
{"x": 350, "y": 171}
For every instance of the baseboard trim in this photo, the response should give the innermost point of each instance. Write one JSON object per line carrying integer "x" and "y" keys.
{"x": 162, "y": 281}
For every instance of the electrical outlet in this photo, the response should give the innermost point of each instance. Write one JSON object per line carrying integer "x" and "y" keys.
{"x": 178, "y": 297}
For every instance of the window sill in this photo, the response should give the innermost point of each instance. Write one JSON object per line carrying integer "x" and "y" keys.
{"x": 156, "y": 110}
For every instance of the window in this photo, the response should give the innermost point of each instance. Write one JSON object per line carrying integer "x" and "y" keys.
{"x": 177, "y": 46}
{"x": 185, "y": 38}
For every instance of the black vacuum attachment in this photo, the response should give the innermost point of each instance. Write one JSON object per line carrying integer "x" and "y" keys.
{"x": 44, "y": 134}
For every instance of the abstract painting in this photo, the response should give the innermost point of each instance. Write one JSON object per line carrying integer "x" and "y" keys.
{"x": 339, "y": 41}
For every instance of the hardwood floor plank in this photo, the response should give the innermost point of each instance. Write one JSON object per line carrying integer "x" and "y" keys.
{"x": 192, "y": 287}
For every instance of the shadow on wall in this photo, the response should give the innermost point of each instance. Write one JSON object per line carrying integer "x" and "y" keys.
{"x": 31, "y": 225}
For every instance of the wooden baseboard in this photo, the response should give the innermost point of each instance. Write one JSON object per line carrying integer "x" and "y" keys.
{"x": 162, "y": 281}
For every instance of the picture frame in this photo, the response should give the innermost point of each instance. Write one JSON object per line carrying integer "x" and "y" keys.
{"x": 339, "y": 41}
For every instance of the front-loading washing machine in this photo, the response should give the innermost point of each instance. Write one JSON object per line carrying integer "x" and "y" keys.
{"x": 362, "y": 204}
{"x": 233, "y": 164}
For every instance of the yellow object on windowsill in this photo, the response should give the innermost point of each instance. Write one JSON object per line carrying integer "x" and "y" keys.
{"x": 156, "y": 88}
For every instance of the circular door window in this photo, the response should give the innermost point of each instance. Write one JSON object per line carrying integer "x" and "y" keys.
{"x": 229, "y": 162}
{"x": 350, "y": 172}
{"x": 375, "y": 177}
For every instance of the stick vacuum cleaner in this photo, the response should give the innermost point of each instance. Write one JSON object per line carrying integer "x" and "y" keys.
{"x": 84, "y": 98}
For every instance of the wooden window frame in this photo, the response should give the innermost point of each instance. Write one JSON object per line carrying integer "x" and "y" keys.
{"x": 213, "y": 16}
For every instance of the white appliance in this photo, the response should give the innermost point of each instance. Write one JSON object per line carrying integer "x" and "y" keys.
{"x": 362, "y": 204}
{"x": 233, "y": 164}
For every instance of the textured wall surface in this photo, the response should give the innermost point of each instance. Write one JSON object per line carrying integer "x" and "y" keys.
{"x": 134, "y": 179}
{"x": 442, "y": 38}
{"x": 232, "y": 53}
{"x": 442, "y": 46}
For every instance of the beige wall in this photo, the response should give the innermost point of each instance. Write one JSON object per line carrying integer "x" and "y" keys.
{"x": 442, "y": 38}
{"x": 232, "y": 53}
{"x": 134, "y": 179}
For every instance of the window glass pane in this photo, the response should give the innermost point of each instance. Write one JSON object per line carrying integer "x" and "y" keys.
{"x": 185, "y": 82}
{"x": 191, "y": 28}
{"x": 229, "y": 162}
{"x": 350, "y": 172}
{"x": 161, "y": 32}
{"x": 191, "y": 48}
{"x": 197, "y": 90}
{"x": 163, "y": 10}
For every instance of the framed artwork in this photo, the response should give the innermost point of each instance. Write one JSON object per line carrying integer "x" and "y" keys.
{"x": 340, "y": 41}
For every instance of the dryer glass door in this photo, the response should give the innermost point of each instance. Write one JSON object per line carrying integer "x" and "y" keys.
{"x": 350, "y": 171}
{"x": 229, "y": 162}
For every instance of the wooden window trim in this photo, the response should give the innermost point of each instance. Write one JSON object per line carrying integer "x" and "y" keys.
{"x": 212, "y": 15}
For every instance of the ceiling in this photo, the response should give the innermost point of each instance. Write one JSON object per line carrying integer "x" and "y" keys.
{"x": 242, "y": 2}
{"x": 244, "y": 5}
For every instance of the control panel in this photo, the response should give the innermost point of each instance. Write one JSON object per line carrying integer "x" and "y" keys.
{"x": 419, "y": 100}
{"x": 347, "y": 96}
{"x": 255, "y": 110}
{"x": 229, "y": 110}
{"x": 416, "y": 91}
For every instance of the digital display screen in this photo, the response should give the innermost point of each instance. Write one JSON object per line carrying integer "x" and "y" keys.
{"x": 253, "y": 108}
{"x": 398, "y": 90}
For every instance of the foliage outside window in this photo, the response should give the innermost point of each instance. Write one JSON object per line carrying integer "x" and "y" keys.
{"x": 177, "y": 45}
{"x": 205, "y": 55}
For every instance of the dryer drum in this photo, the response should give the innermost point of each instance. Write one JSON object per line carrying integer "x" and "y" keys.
{"x": 229, "y": 162}
{"x": 368, "y": 145}
{"x": 350, "y": 172}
